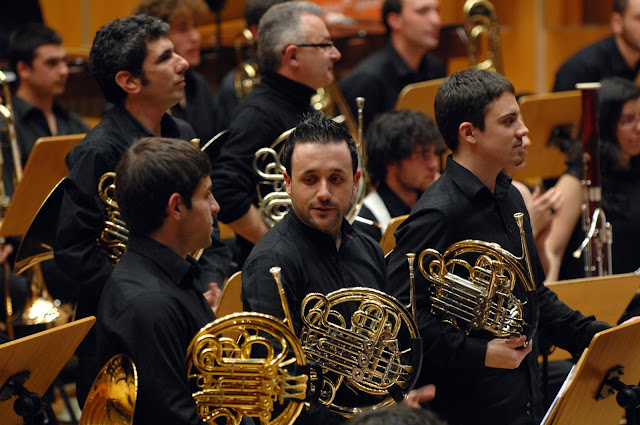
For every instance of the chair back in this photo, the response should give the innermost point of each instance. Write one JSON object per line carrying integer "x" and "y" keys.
{"x": 388, "y": 240}
{"x": 420, "y": 96}
{"x": 230, "y": 298}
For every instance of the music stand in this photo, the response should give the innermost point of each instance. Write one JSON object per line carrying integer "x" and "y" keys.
{"x": 605, "y": 297}
{"x": 44, "y": 169}
{"x": 580, "y": 401}
{"x": 43, "y": 355}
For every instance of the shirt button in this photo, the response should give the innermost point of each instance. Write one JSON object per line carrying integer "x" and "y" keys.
{"x": 528, "y": 404}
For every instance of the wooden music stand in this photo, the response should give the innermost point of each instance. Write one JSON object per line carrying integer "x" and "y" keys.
{"x": 420, "y": 97}
{"x": 388, "y": 240}
{"x": 577, "y": 404}
{"x": 42, "y": 354}
{"x": 605, "y": 297}
{"x": 541, "y": 114}
{"x": 45, "y": 168}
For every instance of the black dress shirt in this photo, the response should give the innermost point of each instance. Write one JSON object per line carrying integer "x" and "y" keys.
{"x": 226, "y": 99}
{"x": 458, "y": 207}
{"x": 599, "y": 60}
{"x": 381, "y": 77}
{"x": 395, "y": 206}
{"x": 200, "y": 112}
{"x": 31, "y": 124}
{"x": 151, "y": 308}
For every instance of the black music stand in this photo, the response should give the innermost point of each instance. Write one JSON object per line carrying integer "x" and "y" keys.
{"x": 30, "y": 364}
{"x": 603, "y": 384}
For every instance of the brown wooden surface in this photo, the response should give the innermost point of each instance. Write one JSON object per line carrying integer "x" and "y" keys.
{"x": 610, "y": 348}
{"x": 230, "y": 299}
{"x": 45, "y": 168}
{"x": 44, "y": 354}
{"x": 388, "y": 240}
{"x": 605, "y": 297}
{"x": 420, "y": 97}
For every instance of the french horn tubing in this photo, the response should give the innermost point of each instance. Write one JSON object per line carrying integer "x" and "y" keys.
{"x": 480, "y": 296}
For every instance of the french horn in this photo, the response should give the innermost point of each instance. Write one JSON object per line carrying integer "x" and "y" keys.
{"x": 480, "y": 296}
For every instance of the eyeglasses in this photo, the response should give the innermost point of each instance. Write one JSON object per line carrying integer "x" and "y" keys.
{"x": 326, "y": 45}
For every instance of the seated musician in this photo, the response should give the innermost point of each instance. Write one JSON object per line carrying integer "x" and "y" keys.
{"x": 227, "y": 96}
{"x": 497, "y": 379}
{"x": 413, "y": 28}
{"x": 297, "y": 55}
{"x": 152, "y": 305}
{"x": 134, "y": 62}
{"x": 619, "y": 124}
{"x": 315, "y": 246}
{"x": 197, "y": 107}
{"x": 402, "y": 162}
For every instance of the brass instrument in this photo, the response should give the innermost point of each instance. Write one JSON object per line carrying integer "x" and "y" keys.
{"x": 245, "y": 364}
{"x": 599, "y": 234}
{"x": 112, "y": 398}
{"x": 481, "y": 297}
{"x": 115, "y": 235}
{"x": 483, "y": 34}
{"x": 246, "y": 75}
{"x": 273, "y": 200}
{"x": 367, "y": 344}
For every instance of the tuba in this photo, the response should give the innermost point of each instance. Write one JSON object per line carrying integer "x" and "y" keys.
{"x": 596, "y": 247}
{"x": 249, "y": 364}
{"x": 246, "y": 75}
{"x": 483, "y": 33}
{"x": 273, "y": 200}
{"x": 481, "y": 296}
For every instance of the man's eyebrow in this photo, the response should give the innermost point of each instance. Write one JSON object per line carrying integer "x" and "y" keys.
{"x": 166, "y": 53}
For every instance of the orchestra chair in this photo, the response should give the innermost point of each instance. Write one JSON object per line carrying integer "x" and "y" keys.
{"x": 541, "y": 113}
{"x": 388, "y": 240}
{"x": 420, "y": 97}
{"x": 230, "y": 300}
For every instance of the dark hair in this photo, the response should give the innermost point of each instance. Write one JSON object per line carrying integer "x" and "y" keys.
{"x": 149, "y": 172}
{"x": 393, "y": 135}
{"x": 121, "y": 45}
{"x": 390, "y": 6}
{"x": 612, "y": 96}
{"x": 315, "y": 127}
{"x": 619, "y": 6}
{"x": 254, "y": 10}
{"x": 23, "y": 43}
{"x": 168, "y": 10}
{"x": 465, "y": 96}
{"x": 395, "y": 415}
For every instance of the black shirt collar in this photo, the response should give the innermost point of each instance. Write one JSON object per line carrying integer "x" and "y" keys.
{"x": 395, "y": 205}
{"x": 316, "y": 236}
{"x": 401, "y": 67}
{"x": 22, "y": 108}
{"x": 179, "y": 270}
{"x": 130, "y": 124}
{"x": 296, "y": 92}
{"x": 471, "y": 186}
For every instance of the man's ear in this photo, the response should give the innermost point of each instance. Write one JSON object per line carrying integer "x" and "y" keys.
{"x": 290, "y": 55}
{"x": 174, "y": 206}
{"x": 356, "y": 179}
{"x": 394, "y": 20}
{"x": 23, "y": 70}
{"x": 616, "y": 23}
{"x": 287, "y": 180}
{"x": 467, "y": 132}
{"x": 128, "y": 82}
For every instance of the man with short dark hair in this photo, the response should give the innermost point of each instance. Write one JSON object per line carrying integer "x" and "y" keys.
{"x": 152, "y": 305}
{"x": 413, "y": 28}
{"x": 297, "y": 56}
{"x": 402, "y": 162}
{"x": 498, "y": 378}
{"x": 615, "y": 56}
{"x": 135, "y": 64}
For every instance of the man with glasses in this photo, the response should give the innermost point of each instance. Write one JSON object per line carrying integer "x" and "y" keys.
{"x": 413, "y": 28}
{"x": 297, "y": 56}
{"x": 402, "y": 163}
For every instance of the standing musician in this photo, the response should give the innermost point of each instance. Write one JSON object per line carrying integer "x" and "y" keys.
{"x": 402, "y": 162}
{"x": 152, "y": 305}
{"x": 135, "y": 64}
{"x": 315, "y": 246}
{"x": 619, "y": 124}
{"x": 197, "y": 106}
{"x": 615, "y": 56}
{"x": 497, "y": 379}
{"x": 297, "y": 54}
{"x": 413, "y": 28}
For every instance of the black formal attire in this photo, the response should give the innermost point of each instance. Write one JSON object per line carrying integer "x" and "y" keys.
{"x": 310, "y": 262}
{"x": 226, "y": 99}
{"x": 31, "y": 124}
{"x": 391, "y": 202}
{"x": 151, "y": 308}
{"x": 82, "y": 219}
{"x": 381, "y": 77}
{"x": 201, "y": 111}
{"x": 457, "y": 207}
{"x": 274, "y": 106}
{"x": 593, "y": 63}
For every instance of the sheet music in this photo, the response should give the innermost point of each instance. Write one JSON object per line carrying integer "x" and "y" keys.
{"x": 549, "y": 416}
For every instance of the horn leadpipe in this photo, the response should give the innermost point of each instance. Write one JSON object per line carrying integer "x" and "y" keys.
{"x": 411, "y": 257}
{"x": 360, "y": 141}
{"x": 277, "y": 276}
{"x": 525, "y": 249}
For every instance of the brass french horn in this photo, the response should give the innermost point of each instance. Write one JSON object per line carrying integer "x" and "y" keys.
{"x": 246, "y": 75}
{"x": 480, "y": 296}
{"x": 481, "y": 24}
